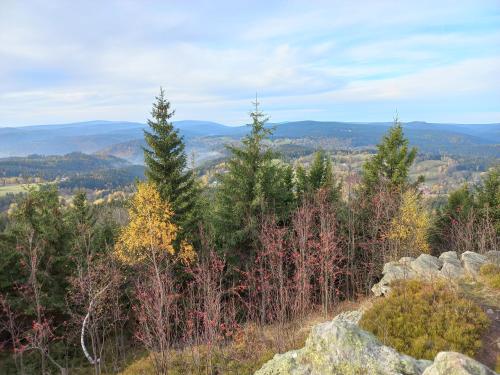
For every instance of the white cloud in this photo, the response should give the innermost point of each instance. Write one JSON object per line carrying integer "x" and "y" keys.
{"x": 110, "y": 58}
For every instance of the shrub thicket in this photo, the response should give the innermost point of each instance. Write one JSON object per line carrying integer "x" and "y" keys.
{"x": 421, "y": 320}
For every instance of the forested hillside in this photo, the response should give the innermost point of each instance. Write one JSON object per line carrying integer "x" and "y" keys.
{"x": 215, "y": 271}
{"x": 125, "y": 139}
{"x": 53, "y": 166}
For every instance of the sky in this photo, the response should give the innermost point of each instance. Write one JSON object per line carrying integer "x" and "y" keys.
{"x": 80, "y": 60}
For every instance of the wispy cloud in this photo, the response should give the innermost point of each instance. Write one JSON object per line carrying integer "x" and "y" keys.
{"x": 68, "y": 61}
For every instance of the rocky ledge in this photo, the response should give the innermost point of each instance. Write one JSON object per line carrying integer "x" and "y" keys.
{"x": 427, "y": 267}
{"x": 341, "y": 347}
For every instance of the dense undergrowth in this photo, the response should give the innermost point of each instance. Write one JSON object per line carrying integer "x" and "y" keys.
{"x": 421, "y": 319}
{"x": 251, "y": 347}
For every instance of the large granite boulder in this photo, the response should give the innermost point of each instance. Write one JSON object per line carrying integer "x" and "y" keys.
{"x": 394, "y": 271}
{"x": 472, "y": 263}
{"x": 451, "y": 271}
{"x": 341, "y": 347}
{"x": 452, "y": 267}
{"x": 450, "y": 257}
{"x": 426, "y": 266}
{"x": 451, "y": 363}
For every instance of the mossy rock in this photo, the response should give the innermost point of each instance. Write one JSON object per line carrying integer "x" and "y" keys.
{"x": 341, "y": 347}
{"x": 450, "y": 363}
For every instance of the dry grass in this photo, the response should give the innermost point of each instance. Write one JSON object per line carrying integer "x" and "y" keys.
{"x": 251, "y": 347}
{"x": 489, "y": 299}
{"x": 490, "y": 275}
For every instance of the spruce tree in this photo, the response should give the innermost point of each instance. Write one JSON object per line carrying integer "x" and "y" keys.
{"x": 255, "y": 184}
{"x": 166, "y": 164}
{"x": 488, "y": 195}
{"x": 319, "y": 176}
{"x": 458, "y": 207}
{"x": 392, "y": 162}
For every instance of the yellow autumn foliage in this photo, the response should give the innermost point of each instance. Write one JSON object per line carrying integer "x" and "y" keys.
{"x": 150, "y": 231}
{"x": 410, "y": 226}
{"x": 187, "y": 254}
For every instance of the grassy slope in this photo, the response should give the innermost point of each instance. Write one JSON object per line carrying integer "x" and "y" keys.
{"x": 19, "y": 188}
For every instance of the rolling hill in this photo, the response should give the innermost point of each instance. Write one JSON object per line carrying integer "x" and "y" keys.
{"x": 125, "y": 139}
{"x": 54, "y": 166}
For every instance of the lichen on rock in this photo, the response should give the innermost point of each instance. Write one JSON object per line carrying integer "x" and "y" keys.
{"x": 451, "y": 363}
{"x": 427, "y": 267}
{"x": 341, "y": 347}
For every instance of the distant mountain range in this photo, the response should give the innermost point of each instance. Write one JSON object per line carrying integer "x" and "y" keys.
{"x": 125, "y": 139}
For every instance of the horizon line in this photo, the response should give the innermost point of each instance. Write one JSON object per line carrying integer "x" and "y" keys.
{"x": 241, "y": 125}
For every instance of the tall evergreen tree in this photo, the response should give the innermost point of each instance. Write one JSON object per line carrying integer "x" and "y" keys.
{"x": 474, "y": 204}
{"x": 166, "y": 164}
{"x": 319, "y": 176}
{"x": 392, "y": 161}
{"x": 379, "y": 196}
{"x": 458, "y": 207}
{"x": 488, "y": 196}
{"x": 255, "y": 184}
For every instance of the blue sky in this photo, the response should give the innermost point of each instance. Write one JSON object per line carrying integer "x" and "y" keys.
{"x": 63, "y": 61}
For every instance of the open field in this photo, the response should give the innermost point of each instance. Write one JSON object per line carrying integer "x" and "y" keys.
{"x": 15, "y": 189}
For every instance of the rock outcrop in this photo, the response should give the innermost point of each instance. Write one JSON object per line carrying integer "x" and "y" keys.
{"x": 472, "y": 262}
{"x": 427, "y": 267}
{"x": 456, "y": 364}
{"x": 340, "y": 347}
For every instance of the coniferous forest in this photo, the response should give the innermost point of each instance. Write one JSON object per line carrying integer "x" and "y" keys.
{"x": 181, "y": 276}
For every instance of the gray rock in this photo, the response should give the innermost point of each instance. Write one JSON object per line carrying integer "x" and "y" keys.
{"x": 452, "y": 267}
{"x": 381, "y": 290}
{"x": 450, "y": 257}
{"x": 341, "y": 347}
{"x": 390, "y": 266}
{"x": 472, "y": 262}
{"x": 396, "y": 271}
{"x": 352, "y": 317}
{"x": 451, "y": 363}
{"x": 451, "y": 271}
{"x": 393, "y": 271}
{"x": 493, "y": 257}
{"x": 426, "y": 266}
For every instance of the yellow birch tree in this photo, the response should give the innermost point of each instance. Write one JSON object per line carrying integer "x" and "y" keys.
{"x": 150, "y": 233}
{"x": 409, "y": 228}
{"x": 149, "y": 238}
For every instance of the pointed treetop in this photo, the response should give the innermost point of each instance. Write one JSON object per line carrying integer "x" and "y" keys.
{"x": 259, "y": 120}
{"x": 161, "y": 108}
